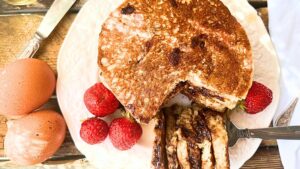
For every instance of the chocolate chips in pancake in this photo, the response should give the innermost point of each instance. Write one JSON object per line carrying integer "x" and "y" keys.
{"x": 148, "y": 47}
{"x": 194, "y": 138}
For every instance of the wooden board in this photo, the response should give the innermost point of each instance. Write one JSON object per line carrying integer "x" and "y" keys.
{"x": 41, "y": 6}
{"x": 32, "y": 6}
{"x": 16, "y": 30}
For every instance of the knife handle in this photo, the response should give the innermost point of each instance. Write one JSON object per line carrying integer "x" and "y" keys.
{"x": 32, "y": 47}
{"x": 287, "y": 133}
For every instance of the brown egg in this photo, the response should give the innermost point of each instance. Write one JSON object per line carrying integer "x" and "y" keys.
{"x": 35, "y": 137}
{"x": 25, "y": 85}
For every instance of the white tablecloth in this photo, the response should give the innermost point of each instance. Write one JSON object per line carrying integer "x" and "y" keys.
{"x": 284, "y": 26}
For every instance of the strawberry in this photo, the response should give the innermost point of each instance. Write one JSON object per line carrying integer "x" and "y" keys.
{"x": 94, "y": 130}
{"x": 258, "y": 98}
{"x": 124, "y": 133}
{"x": 100, "y": 101}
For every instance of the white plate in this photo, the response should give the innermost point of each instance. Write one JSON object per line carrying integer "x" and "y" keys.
{"x": 77, "y": 70}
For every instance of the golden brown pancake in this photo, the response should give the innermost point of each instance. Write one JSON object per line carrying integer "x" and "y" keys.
{"x": 148, "y": 47}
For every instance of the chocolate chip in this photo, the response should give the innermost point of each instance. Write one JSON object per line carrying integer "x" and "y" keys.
{"x": 201, "y": 44}
{"x": 192, "y": 92}
{"x": 131, "y": 108}
{"x": 173, "y": 3}
{"x": 148, "y": 45}
{"x": 174, "y": 57}
{"x": 203, "y": 36}
{"x": 127, "y": 10}
{"x": 186, "y": 132}
{"x": 198, "y": 41}
{"x": 194, "y": 41}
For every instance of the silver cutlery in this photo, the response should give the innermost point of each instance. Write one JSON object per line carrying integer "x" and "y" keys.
{"x": 287, "y": 133}
{"x": 285, "y": 118}
{"x": 281, "y": 130}
{"x": 56, "y": 12}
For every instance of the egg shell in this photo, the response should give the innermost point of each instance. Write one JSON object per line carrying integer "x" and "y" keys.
{"x": 25, "y": 85}
{"x": 35, "y": 137}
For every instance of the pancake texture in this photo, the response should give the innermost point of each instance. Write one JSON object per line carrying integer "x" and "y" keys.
{"x": 150, "y": 48}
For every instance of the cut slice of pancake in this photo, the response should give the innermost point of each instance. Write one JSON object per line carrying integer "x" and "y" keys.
{"x": 148, "y": 47}
{"x": 159, "y": 152}
{"x": 215, "y": 123}
{"x": 195, "y": 138}
{"x": 171, "y": 138}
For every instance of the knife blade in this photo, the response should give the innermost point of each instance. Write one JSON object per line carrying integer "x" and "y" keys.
{"x": 285, "y": 118}
{"x": 55, "y": 13}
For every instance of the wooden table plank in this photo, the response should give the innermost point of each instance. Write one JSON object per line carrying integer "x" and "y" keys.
{"x": 15, "y": 31}
{"x": 265, "y": 157}
{"x": 41, "y": 6}
{"x": 32, "y": 6}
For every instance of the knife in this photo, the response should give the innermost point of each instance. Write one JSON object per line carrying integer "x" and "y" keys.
{"x": 55, "y": 13}
{"x": 285, "y": 118}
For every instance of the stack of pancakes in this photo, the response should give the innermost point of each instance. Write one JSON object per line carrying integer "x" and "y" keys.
{"x": 151, "y": 50}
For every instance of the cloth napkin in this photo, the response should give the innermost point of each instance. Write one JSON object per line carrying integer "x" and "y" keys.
{"x": 284, "y": 26}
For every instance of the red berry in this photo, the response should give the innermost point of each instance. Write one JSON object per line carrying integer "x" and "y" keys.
{"x": 124, "y": 133}
{"x": 258, "y": 98}
{"x": 100, "y": 101}
{"x": 94, "y": 130}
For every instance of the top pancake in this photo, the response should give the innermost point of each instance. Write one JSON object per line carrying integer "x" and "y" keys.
{"x": 147, "y": 47}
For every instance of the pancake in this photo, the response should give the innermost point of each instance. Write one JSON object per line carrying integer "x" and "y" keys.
{"x": 193, "y": 138}
{"x": 148, "y": 47}
{"x": 215, "y": 123}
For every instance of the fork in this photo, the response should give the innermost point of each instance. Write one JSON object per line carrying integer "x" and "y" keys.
{"x": 287, "y": 133}
{"x": 277, "y": 132}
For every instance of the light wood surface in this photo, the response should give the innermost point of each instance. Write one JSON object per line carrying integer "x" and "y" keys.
{"x": 16, "y": 30}
{"x": 41, "y": 6}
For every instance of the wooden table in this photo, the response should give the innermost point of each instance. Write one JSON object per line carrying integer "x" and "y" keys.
{"x": 19, "y": 22}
